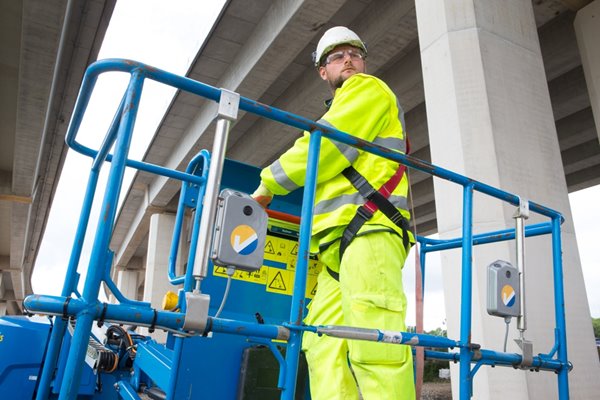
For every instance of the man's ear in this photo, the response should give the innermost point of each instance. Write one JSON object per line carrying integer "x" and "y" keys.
{"x": 323, "y": 73}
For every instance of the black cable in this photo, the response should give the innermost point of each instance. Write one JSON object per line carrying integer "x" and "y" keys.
{"x": 102, "y": 316}
{"x": 65, "y": 315}
{"x": 259, "y": 318}
{"x": 153, "y": 325}
{"x": 99, "y": 382}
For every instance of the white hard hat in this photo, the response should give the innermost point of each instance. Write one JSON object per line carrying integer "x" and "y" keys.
{"x": 336, "y": 36}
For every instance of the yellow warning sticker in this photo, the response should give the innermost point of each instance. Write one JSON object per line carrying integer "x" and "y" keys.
{"x": 278, "y": 280}
{"x": 311, "y": 286}
{"x": 280, "y": 249}
{"x": 269, "y": 248}
{"x": 258, "y": 276}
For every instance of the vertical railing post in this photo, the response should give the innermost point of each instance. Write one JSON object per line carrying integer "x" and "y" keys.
{"x": 72, "y": 375}
{"x": 559, "y": 309}
{"x": 466, "y": 294}
{"x": 228, "y": 111}
{"x": 59, "y": 326}
{"x": 294, "y": 344}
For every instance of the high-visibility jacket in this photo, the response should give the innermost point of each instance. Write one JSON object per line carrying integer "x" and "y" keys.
{"x": 363, "y": 107}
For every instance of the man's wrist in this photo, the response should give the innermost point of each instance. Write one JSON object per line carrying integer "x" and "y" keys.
{"x": 262, "y": 195}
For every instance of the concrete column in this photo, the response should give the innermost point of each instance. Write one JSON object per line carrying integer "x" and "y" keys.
{"x": 490, "y": 118}
{"x": 2, "y": 309}
{"x": 127, "y": 282}
{"x": 157, "y": 262}
{"x": 587, "y": 30}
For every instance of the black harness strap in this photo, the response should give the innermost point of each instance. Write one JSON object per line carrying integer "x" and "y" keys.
{"x": 333, "y": 274}
{"x": 376, "y": 200}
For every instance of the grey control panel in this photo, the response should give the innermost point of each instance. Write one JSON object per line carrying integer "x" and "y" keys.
{"x": 240, "y": 232}
{"x": 503, "y": 290}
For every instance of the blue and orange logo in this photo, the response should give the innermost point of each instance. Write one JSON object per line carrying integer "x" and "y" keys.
{"x": 244, "y": 240}
{"x": 508, "y": 296}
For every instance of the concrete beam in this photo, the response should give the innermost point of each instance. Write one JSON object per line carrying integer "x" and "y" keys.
{"x": 387, "y": 28}
{"x": 576, "y": 128}
{"x": 575, "y": 4}
{"x": 405, "y": 78}
{"x": 581, "y": 157}
{"x": 568, "y": 93}
{"x": 18, "y": 285}
{"x": 584, "y": 178}
{"x": 20, "y": 233}
{"x": 13, "y": 308}
{"x": 587, "y": 31}
{"x": 5, "y": 182}
{"x": 41, "y": 27}
{"x": 559, "y": 46}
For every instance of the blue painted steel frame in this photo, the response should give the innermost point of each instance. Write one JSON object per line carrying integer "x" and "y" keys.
{"x": 87, "y": 308}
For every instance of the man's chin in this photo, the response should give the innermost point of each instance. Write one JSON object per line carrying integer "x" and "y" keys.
{"x": 344, "y": 75}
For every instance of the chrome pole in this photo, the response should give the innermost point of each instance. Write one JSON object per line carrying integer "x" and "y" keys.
{"x": 227, "y": 112}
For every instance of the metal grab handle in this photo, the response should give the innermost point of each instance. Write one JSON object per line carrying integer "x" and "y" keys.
{"x": 282, "y": 216}
{"x": 204, "y": 158}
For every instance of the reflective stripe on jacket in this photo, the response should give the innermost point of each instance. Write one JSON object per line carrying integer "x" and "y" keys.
{"x": 366, "y": 108}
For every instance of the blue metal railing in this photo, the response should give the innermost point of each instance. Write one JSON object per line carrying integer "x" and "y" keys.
{"x": 87, "y": 308}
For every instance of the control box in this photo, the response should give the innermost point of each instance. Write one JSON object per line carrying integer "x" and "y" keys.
{"x": 503, "y": 290}
{"x": 240, "y": 231}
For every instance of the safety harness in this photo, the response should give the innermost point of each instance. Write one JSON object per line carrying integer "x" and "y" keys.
{"x": 375, "y": 200}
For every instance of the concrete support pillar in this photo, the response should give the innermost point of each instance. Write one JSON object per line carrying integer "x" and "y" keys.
{"x": 2, "y": 309}
{"x": 587, "y": 30}
{"x": 127, "y": 282}
{"x": 157, "y": 262}
{"x": 490, "y": 118}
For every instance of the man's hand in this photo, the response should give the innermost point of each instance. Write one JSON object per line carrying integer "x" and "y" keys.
{"x": 262, "y": 196}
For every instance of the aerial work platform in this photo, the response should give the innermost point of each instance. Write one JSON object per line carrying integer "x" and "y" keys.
{"x": 202, "y": 342}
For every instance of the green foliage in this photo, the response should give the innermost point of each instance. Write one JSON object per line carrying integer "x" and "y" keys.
{"x": 438, "y": 332}
{"x": 431, "y": 368}
{"x": 596, "y": 325}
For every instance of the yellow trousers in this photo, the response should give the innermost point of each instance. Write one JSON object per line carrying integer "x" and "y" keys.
{"x": 369, "y": 294}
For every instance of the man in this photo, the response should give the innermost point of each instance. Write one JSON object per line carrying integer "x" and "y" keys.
{"x": 364, "y": 254}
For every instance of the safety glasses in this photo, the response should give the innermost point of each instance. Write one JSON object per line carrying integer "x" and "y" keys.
{"x": 338, "y": 56}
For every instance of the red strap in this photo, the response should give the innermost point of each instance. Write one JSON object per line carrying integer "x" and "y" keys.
{"x": 388, "y": 188}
